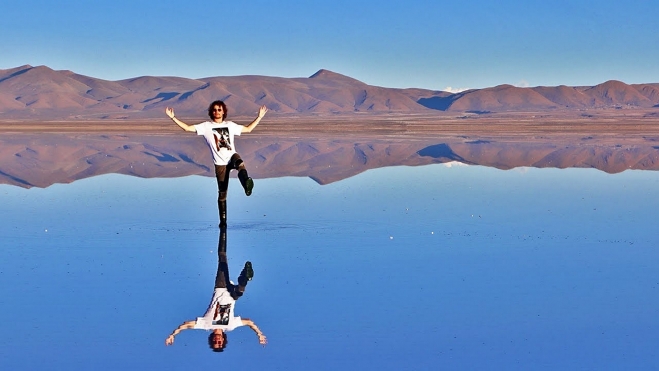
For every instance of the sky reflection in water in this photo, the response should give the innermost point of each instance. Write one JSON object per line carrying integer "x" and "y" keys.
{"x": 461, "y": 267}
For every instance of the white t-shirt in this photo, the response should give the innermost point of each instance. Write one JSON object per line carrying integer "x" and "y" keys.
{"x": 219, "y": 137}
{"x": 220, "y": 313}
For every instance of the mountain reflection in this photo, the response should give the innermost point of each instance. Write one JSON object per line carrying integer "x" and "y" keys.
{"x": 220, "y": 317}
{"x": 42, "y": 160}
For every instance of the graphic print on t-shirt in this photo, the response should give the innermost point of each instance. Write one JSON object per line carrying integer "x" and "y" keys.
{"x": 222, "y": 313}
{"x": 222, "y": 139}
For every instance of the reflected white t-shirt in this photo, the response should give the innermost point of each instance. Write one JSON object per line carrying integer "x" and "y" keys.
{"x": 220, "y": 313}
{"x": 219, "y": 137}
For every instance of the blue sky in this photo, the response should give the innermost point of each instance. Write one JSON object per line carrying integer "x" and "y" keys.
{"x": 426, "y": 44}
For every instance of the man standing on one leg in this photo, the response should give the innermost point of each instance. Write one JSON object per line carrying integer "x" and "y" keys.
{"x": 219, "y": 135}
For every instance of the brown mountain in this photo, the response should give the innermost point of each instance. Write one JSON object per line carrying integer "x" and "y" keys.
{"x": 614, "y": 92}
{"x": 42, "y": 160}
{"x": 651, "y": 91}
{"x": 500, "y": 98}
{"x": 565, "y": 96}
{"x": 40, "y": 93}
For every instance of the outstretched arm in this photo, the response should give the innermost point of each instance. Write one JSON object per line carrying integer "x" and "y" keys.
{"x": 262, "y": 339}
{"x": 184, "y": 326}
{"x": 170, "y": 113}
{"x": 250, "y": 127}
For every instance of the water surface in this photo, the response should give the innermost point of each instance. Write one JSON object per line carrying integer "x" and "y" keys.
{"x": 438, "y": 266}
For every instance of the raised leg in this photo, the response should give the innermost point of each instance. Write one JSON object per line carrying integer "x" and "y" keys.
{"x": 238, "y": 164}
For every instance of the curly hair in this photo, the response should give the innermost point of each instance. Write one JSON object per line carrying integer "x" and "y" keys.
{"x": 221, "y": 104}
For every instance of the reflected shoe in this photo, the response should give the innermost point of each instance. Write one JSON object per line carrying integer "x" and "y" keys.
{"x": 249, "y": 185}
{"x": 248, "y": 271}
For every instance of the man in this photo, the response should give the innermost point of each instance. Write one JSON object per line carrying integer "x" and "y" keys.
{"x": 220, "y": 316}
{"x": 219, "y": 135}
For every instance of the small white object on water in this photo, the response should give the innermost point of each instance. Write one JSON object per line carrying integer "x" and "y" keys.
{"x": 432, "y": 232}
{"x": 391, "y": 237}
{"x": 46, "y": 230}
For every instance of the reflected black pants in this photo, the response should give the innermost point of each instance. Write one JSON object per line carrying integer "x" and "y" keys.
{"x": 222, "y": 277}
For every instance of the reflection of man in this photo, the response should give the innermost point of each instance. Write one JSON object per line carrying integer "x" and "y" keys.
{"x": 220, "y": 316}
{"x": 219, "y": 135}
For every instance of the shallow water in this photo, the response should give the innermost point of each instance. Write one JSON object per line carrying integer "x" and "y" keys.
{"x": 441, "y": 266}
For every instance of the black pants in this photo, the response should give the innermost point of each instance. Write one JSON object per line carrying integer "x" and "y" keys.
{"x": 222, "y": 175}
{"x": 222, "y": 277}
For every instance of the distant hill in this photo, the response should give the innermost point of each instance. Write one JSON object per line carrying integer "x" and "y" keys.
{"x": 42, "y": 93}
{"x": 40, "y": 161}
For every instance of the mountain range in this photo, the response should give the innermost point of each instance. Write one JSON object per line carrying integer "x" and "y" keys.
{"x": 41, "y": 93}
{"x": 28, "y": 160}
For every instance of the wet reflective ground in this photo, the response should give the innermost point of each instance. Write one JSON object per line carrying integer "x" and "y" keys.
{"x": 428, "y": 267}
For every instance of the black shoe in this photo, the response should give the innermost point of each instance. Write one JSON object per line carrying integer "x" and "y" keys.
{"x": 249, "y": 185}
{"x": 248, "y": 271}
{"x": 222, "y": 208}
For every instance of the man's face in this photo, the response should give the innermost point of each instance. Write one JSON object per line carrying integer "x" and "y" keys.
{"x": 217, "y": 341}
{"x": 218, "y": 112}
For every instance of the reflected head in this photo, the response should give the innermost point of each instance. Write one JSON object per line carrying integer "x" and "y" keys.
{"x": 218, "y": 104}
{"x": 217, "y": 341}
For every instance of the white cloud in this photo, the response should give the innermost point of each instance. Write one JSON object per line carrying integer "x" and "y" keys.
{"x": 454, "y": 90}
{"x": 454, "y": 163}
{"x": 522, "y": 84}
